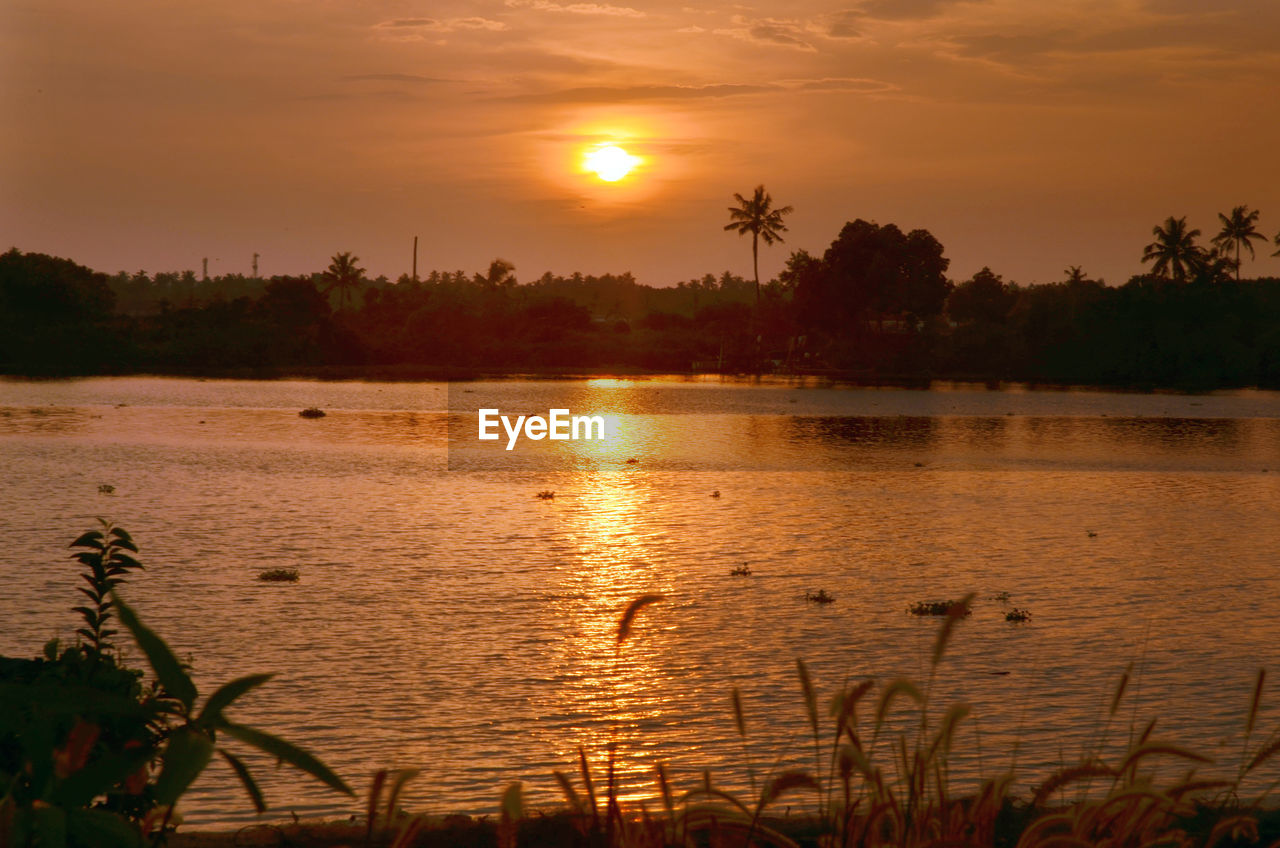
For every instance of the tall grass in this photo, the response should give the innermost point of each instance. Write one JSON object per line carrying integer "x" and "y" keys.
{"x": 880, "y": 776}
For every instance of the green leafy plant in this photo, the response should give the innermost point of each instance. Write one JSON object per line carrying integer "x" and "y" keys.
{"x": 92, "y": 758}
{"x": 107, "y": 556}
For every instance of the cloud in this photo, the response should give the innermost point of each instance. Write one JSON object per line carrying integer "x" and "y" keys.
{"x": 401, "y": 28}
{"x": 635, "y": 93}
{"x": 605, "y": 9}
{"x": 641, "y": 93}
{"x": 858, "y": 85}
{"x": 769, "y": 31}
{"x": 898, "y": 10}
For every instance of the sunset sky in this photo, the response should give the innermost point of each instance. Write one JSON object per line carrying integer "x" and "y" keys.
{"x": 1026, "y": 135}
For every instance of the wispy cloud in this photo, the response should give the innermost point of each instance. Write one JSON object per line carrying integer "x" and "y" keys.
{"x": 400, "y": 28}
{"x": 772, "y": 32}
{"x": 718, "y": 91}
{"x": 605, "y": 9}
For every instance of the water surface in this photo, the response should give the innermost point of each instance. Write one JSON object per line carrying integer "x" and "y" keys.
{"x": 449, "y": 620}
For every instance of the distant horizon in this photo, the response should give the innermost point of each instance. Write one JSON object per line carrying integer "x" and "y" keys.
{"x": 215, "y": 270}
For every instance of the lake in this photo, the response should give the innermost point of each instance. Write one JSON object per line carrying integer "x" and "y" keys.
{"x": 448, "y": 619}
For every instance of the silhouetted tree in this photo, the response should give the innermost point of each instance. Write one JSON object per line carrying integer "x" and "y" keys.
{"x": 758, "y": 217}
{"x": 984, "y": 298}
{"x": 1174, "y": 252}
{"x": 500, "y": 275}
{"x": 1238, "y": 230}
{"x": 344, "y": 275}
{"x": 870, "y": 269}
{"x": 1075, "y": 274}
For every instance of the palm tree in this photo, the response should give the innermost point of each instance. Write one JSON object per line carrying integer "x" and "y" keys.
{"x": 756, "y": 217}
{"x": 1174, "y": 251}
{"x": 1238, "y": 230}
{"x": 344, "y": 275}
{"x": 1277, "y": 253}
{"x": 1075, "y": 274}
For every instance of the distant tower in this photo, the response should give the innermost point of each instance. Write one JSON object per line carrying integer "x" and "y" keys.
{"x": 415, "y": 259}
{"x": 255, "y": 266}
{"x": 204, "y": 275}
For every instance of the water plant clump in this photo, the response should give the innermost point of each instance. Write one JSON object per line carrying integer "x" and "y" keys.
{"x": 312, "y": 412}
{"x": 106, "y": 489}
{"x": 279, "y": 575}
{"x": 820, "y": 597}
{"x": 546, "y": 495}
{"x": 1017, "y": 615}
{"x": 951, "y": 608}
{"x": 743, "y": 570}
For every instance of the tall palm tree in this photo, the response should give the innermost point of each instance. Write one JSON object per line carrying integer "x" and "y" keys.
{"x": 344, "y": 275}
{"x": 1277, "y": 253}
{"x": 756, "y": 216}
{"x": 1238, "y": 230}
{"x": 1174, "y": 251}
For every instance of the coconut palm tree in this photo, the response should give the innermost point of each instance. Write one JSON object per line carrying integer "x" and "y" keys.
{"x": 1277, "y": 253}
{"x": 344, "y": 275}
{"x": 1238, "y": 230}
{"x": 1174, "y": 251}
{"x": 756, "y": 216}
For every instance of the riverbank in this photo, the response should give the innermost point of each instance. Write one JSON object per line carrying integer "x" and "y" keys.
{"x": 1220, "y": 826}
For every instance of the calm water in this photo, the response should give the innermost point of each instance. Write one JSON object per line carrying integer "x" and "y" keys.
{"x": 449, "y": 620}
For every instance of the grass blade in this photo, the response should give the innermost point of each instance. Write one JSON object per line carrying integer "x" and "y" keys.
{"x": 289, "y": 753}
{"x": 624, "y": 625}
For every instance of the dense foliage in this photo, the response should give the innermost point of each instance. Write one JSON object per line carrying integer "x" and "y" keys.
{"x": 877, "y": 304}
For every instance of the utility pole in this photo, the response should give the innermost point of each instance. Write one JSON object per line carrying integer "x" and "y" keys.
{"x": 415, "y": 259}
{"x": 255, "y": 266}
{"x": 204, "y": 274}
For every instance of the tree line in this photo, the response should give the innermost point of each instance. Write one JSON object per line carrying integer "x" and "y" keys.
{"x": 876, "y": 304}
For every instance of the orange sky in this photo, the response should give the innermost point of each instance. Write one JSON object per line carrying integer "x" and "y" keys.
{"x": 1026, "y": 135}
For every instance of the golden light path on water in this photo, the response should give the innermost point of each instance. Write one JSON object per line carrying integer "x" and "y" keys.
{"x": 449, "y": 620}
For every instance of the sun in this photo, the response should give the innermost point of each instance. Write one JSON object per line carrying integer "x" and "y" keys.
{"x": 610, "y": 162}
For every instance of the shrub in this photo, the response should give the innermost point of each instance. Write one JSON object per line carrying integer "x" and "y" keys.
{"x": 92, "y": 758}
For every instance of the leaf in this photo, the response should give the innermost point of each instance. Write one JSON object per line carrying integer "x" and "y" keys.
{"x": 50, "y": 827}
{"x": 513, "y": 802}
{"x": 289, "y": 753}
{"x": 102, "y": 829}
{"x": 226, "y": 694}
{"x": 122, "y": 539}
{"x": 79, "y": 789}
{"x": 163, "y": 662}
{"x": 246, "y": 780}
{"x": 92, "y": 539}
{"x": 897, "y": 687}
{"x": 186, "y": 755}
{"x": 120, "y": 560}
{"x": 402, "y": 777}
{"x": 787, "y": 782}
{"x": 624, "y": 626}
